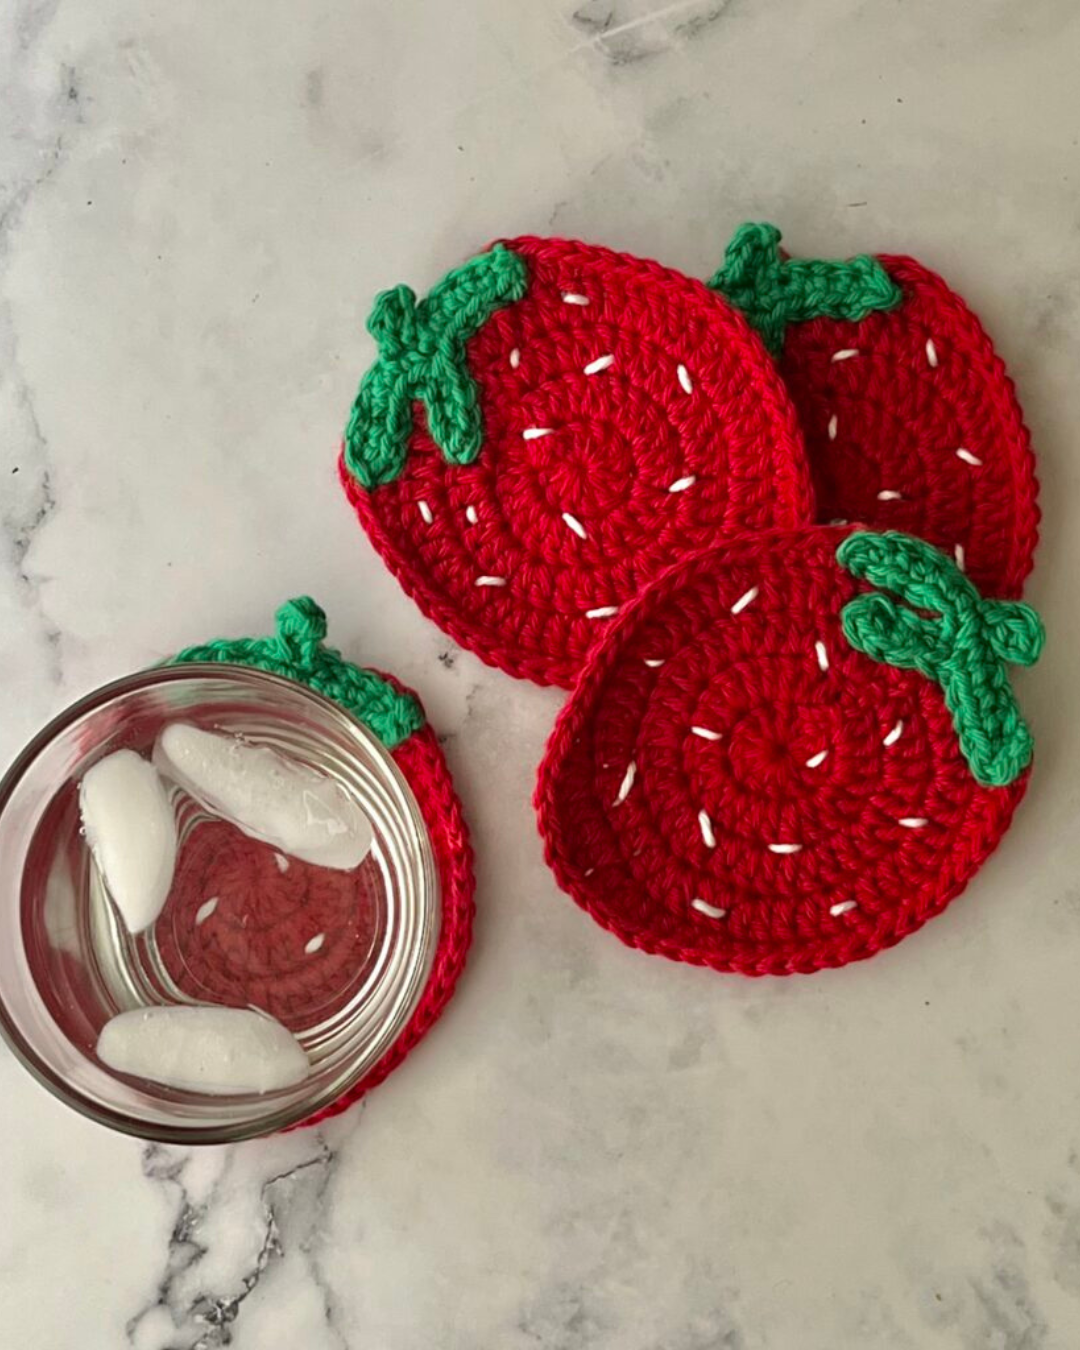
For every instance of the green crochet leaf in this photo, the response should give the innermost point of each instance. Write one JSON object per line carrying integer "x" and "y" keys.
{"x": 1015, "y": 632}
{"x": 297, "y": 652}
{"x": 895, "y": 635}
{"x": 422, "y": 358}
{"x": 774, "y": 291}
{"x": 933, "y": 620}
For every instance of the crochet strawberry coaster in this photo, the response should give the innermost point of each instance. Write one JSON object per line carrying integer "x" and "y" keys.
{"x": 910, "y": 419}
{"x": 552, "y": 427}
{"x": 266, "y": 954}
{"x": 790, "y": 752}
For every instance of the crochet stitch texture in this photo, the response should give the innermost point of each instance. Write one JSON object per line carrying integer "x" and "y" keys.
{"x": 735, "y": 783}
{"x": 627, "y": 414}
{"x": 910, "y": 418}
{"x": 395, "y": 715}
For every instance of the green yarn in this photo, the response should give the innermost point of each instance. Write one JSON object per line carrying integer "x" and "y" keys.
{"x": 774, "y": 291}
{"x": 297, "y": 653}
{"x": 422, "y": 357}
{"x": 936, "y": 622}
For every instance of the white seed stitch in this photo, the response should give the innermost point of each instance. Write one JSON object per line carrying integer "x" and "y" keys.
{"x": 705, "y": 825}
{"x": 626, "y": 784}
{"x": 534, "y": 433}
{"x": 491, "y": 581}
{"x": 968, "y": 457}
{"x": 601, "y": 363}
{"x": 834, "y": 423}
{"x": 821, "y": 654}
{"x": 845, "y": 354}
{"x": 470, "y": 515}
{"x": 314, "y": 944}
{"x": 711, "y": 911}
{"x": 515, "y": 358}
{"x": 913, "y": 822}
{"x": 894, "y": 735}
{"x": 574, "y": 298}
{"x": 588, "y": 871}
{"x": 839, "y": 520}
{"x": 602, "y": 612}
{"x": 931, "y": 353}
{"x": 684, "y": 379}
{"x": 889, "y": 495}
{"x": 706, "y": 733}
{"x": 654, "y": 662}
{"x": 205, "y": 910}
{"x": 747, "y": 598}
{"x": 425, "y": 512}
{"x": 958, "y": 553}
{"x": 282, "y": 862}
{"x": 815, "y": 760}
{"x": 575, "y": 525}
{"x": 785, "y": 848}
{"x": 681, "y": 484}
{"x": 844, "y": 907}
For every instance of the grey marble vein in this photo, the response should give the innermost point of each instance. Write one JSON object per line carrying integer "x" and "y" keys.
{"x": 626, "y": 32}
{"x": 205, "y": 1290}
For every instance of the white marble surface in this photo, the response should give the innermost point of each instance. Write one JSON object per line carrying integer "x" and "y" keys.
{"x": 596, "y": 1149}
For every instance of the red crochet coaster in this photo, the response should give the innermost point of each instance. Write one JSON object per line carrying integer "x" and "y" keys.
{"x": 910, "y": 418}
{"x": 548, "y": 430}
{"x": 789, "y": 753}
{"x": 308, "y": 903}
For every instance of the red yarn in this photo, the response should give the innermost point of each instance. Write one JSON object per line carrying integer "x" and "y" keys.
{"x": 523, "y": 555}
{"x": 421, "y": 761}
{"x": 725, "y": 745}
{"x": 886, "y": 405}
{"x": 249, "y": 950}
{"x": 236, "y": 927}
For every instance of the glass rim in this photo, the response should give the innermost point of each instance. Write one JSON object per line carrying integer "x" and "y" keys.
{"x": 286, "y": 1116}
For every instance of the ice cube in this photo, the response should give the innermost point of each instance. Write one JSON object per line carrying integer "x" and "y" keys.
{"x": 131, "y": 831}
{"x": 285, "y": 804}
{"x": 204, "y": 1049}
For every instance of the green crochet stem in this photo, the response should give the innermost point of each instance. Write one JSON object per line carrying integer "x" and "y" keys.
{"x": 774, "y": 291}
{"x": 935, "y": 621}
{"x": 422, "y": 358}
{"x": 297, "y": 652}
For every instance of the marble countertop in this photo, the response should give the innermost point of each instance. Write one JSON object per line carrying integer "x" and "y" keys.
{"x": 595, "y": 1148}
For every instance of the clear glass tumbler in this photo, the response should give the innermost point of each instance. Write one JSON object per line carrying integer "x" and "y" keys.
{"x": 68, "y": 964}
